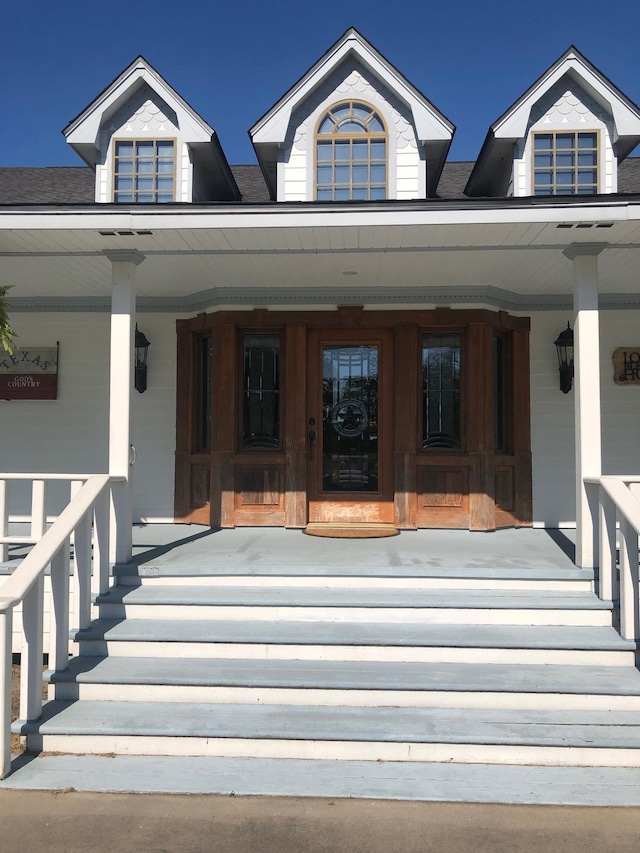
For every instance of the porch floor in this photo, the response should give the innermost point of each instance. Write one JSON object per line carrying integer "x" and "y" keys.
{"x": 195, "y": 546}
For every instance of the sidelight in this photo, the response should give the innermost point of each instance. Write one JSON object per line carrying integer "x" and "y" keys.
{"x": 261, "y": 392}
{"x": 441, "y": 391}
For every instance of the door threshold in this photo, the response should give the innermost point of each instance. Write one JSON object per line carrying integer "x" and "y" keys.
{"x": 350, "y": 530}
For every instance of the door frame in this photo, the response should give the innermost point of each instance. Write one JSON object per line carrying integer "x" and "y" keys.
{"x": 370, "y": 507}
{"x": 220, "y": 484}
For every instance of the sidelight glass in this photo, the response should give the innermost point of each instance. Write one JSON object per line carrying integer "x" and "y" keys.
{"x": 441, "y": 426}
{"x": 205, "y": 392}
{"x": 261, "y": 392}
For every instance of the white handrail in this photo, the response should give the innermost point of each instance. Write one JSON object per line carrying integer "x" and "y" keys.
{"x": 38, "y": 516}
{"x": 20, "y": 582}
{"x": 26, "y": 586}
{"x": 618, "y": 506}
{"x": 10, "y": 476}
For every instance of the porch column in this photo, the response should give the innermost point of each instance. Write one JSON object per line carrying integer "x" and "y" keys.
{"x": 123, "y": 309}
{"x": 587, "y": 394}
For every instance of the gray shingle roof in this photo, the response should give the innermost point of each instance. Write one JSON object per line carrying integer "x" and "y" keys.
{"x": 454, "y": 179}
{"x": 75, "y": 184}
{"x": 49, "y": 185}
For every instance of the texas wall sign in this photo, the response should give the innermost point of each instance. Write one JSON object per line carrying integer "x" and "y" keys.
{"x": 30, "y": 373}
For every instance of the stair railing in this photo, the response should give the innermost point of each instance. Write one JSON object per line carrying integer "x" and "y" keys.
{"x": 85, "y": 519}
{"x": 619, "y": 517}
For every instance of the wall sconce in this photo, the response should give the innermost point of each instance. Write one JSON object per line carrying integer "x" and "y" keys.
{"x": 142, "y": 348}
{"x": 564, "y": 348}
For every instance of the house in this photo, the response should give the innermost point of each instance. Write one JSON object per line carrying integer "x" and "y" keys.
{"x": 358, "y": 331}
{"x": 353, "y": 337}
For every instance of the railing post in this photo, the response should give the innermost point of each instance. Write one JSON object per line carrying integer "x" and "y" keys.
{"x": 6, "y": 622}
{"x": 4, "y": 518}
{"x": 608, "y": 575}
{"x": 82, "y": 571}
{"x": 59, "y": 616}
{"x": 38, "y": 508}
{"x": 31, "y": 658}
{"x": 100, "y": 577}
{"x": 629, "y": 623}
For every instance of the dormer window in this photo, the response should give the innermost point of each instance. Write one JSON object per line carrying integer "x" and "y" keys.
{"x": 351, "y": 154}
{"x": 144, "y": 170}
{"x": 565, "y": 163}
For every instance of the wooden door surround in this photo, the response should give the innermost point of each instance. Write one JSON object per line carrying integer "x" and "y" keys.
{"x": 358, "y": 499}
{"x": 481, "y": 485}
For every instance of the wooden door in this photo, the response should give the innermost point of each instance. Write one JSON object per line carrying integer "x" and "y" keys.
{"x": 349, "y": 413}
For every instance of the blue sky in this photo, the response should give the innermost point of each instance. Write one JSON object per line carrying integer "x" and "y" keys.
{"x": 232, "y": 60}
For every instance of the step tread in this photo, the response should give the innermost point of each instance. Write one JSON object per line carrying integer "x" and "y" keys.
{"x": 356, "y": 570}
{"x": 556, "y": 728}
{"x": 407, "y": 634}
{"x": 429, "y": 782}
{"x": 350, "y": 675}
{"x": 343, "y": 598}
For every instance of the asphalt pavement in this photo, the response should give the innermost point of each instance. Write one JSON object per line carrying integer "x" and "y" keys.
{"x": 73, "y": 822}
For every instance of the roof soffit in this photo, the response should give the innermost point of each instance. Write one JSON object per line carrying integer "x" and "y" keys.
{"x": 431, "y": 124}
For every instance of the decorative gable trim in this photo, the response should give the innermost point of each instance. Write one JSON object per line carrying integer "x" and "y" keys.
{"x": 83, "y": 132}
{"x": 492, "y": 173}
{"x": 434, "y": 130}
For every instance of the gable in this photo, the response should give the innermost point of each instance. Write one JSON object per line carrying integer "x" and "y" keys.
{"x": 351, "y": 81}
{"x": 351, "y": 68}
{"x": 571, "y": 96}
{"x": 140, "y": 104}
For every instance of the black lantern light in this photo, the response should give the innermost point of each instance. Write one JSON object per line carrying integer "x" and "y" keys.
{"x": 142, "y": 348}
{"x": 564, "y": 347}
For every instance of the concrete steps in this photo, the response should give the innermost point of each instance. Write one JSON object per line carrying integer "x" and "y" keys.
{"x": 356, "y": 641}
{"x": 478, "y": 607}
{"x": 475, "y": 666}
{"x": 469, "y": 735}
{"x": 387, "y": 780}
{"x": 348, "y": 683}
{"x": 357, "y": 575}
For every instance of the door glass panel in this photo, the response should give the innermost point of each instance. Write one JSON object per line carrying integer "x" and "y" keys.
{"x": 441, "y": 391}
{"x": 205, "y": 373}
{"x": 350, "y": 418}
{"x": 261, "y": 392}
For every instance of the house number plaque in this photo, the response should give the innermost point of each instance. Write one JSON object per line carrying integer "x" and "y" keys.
{"x": 626, "y": 366}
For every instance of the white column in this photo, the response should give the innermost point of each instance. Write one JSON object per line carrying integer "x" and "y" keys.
{"x": 123, "y": 309}
{"x": 586, "y": 385}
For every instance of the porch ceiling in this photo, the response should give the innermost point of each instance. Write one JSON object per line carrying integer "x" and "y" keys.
{"x": 274, "y": 256}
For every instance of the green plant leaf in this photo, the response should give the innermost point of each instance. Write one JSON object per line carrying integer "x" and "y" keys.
{"x": 7, "y": 335}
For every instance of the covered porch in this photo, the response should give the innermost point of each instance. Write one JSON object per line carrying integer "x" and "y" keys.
{"x": 518, "y": 256}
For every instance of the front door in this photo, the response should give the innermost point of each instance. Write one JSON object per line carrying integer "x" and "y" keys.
{"x": 350, "y": 441}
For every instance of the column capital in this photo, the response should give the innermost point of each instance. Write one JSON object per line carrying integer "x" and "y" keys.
{"x": 577, "y": 250}
{"x": 130, "y": 256}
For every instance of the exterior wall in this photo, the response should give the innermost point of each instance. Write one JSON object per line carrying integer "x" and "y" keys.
{"x": 144, "y": 115}
{"x": 70, "y": 434}
{"x": 407, "y": 173}
{"x": 552, "y": 423}
{"x": 566, "y": 106}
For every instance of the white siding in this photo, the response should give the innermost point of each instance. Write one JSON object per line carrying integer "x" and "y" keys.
{"x": 406, "y": 177}
{"x": 552, "y": 424}
{"x": 70, "y": 434}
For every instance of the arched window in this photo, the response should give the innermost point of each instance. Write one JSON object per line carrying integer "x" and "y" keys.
{"x": 351, "y": 153}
